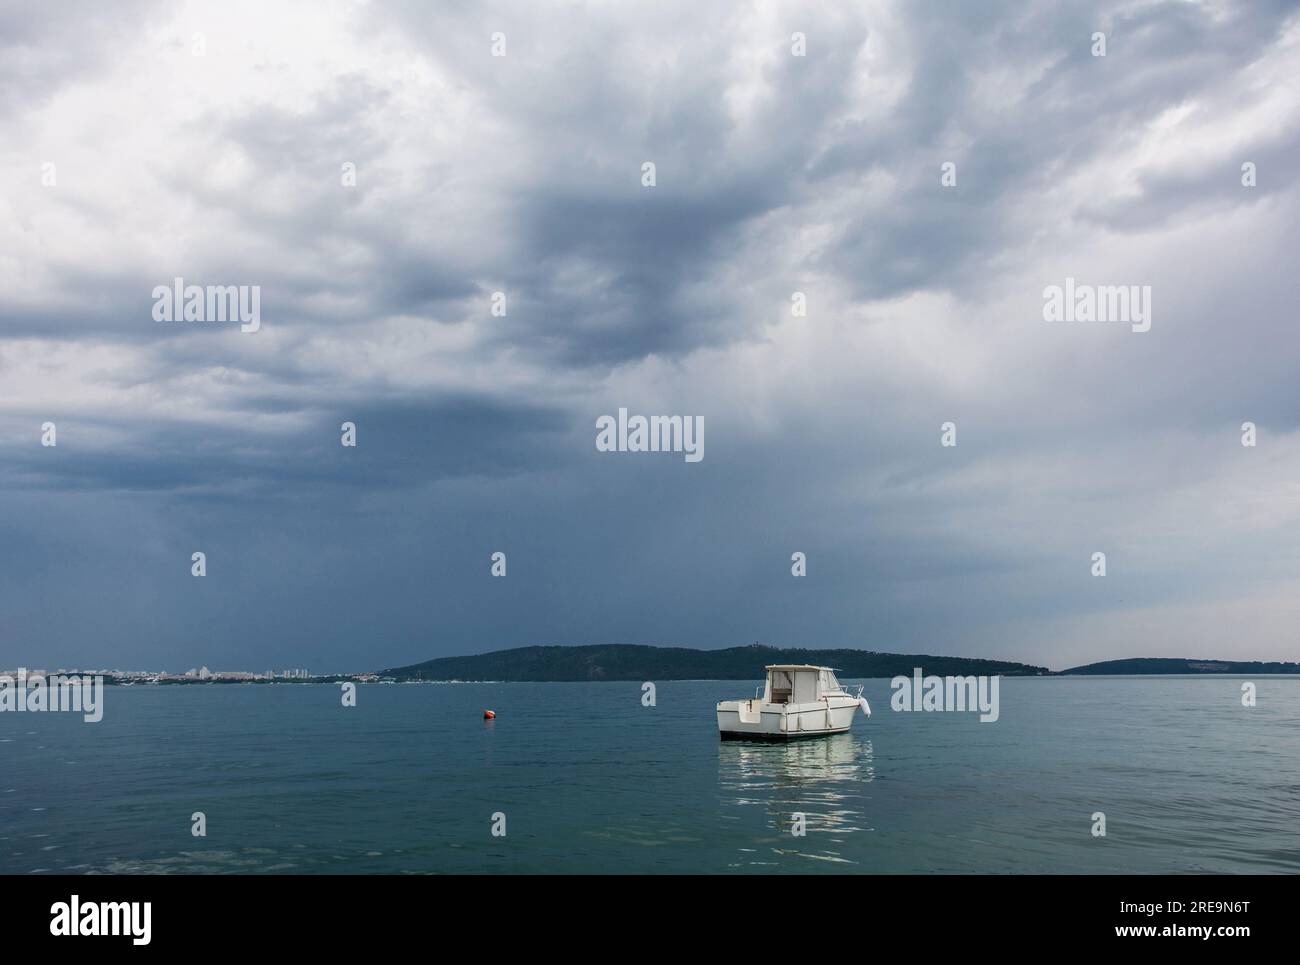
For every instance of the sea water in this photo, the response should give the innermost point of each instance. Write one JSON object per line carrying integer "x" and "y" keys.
{"x": 583, "y": 777}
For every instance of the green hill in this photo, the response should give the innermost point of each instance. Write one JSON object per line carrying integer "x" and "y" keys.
{"x": 626, "y": 662}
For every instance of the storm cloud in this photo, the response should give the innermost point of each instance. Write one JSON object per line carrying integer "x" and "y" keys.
{"x": 380, "y": 174}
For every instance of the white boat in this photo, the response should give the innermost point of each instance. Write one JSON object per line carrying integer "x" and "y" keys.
{"x": 799, "y": 700}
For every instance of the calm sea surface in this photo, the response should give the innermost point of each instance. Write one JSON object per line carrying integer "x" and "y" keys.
{"x": 592, "y": 781}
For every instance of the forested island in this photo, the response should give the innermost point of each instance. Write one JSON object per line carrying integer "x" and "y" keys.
{"x": 631, "y": 662}
{"x": 1181, "y": 666}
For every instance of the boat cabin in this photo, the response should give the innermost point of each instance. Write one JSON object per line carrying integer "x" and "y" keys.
{"x": 799, "y": 683}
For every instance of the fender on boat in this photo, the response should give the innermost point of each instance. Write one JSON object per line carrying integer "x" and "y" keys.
{"x": 866, "y": 707}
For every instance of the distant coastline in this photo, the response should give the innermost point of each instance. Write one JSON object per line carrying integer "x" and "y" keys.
{"x": 615, "y": 662}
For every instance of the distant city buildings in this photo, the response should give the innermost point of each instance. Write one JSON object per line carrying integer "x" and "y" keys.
{"x": 193, "y": 675}
{"x": 203, "y": 673}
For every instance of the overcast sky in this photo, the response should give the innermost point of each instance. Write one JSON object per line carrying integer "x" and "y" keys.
{"x": 208, "y": 142}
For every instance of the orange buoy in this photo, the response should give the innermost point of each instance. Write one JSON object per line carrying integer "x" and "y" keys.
{"x": 489, "y": 715}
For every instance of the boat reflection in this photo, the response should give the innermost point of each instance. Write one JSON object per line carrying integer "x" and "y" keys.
{"x": 827, "y": 779}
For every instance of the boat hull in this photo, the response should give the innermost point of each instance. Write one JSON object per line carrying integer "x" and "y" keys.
{"x": 753, "y": 720}
{"x": 764, "y": 738}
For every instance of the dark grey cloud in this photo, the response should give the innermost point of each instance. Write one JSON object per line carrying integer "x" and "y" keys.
{"x": 402, "y": 444}
{"x": 1068, "y": 108}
